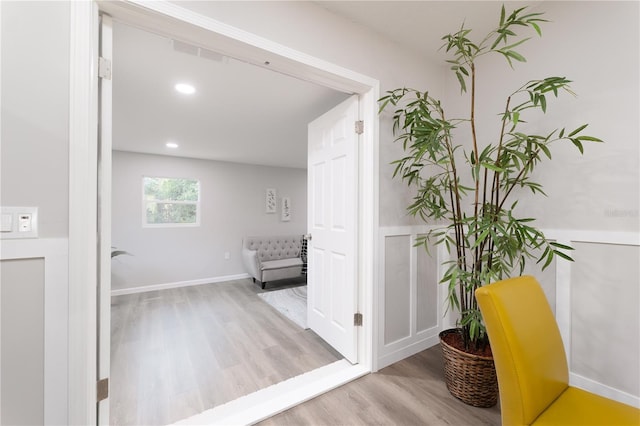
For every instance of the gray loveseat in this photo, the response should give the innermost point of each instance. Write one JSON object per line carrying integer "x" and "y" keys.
{"x": 272, "y": 258}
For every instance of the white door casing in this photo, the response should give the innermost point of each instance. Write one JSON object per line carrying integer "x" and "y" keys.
{"x": 333, "y": 208}
{"x": 104, "y": 212}
{"x": 172, "y": 20}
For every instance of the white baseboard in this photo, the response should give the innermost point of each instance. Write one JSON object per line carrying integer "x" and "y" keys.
{"x": 407, "y": 351}
{"x": 275, "y": 399}
{"x": 153, "y": 287}
{"x": 603, "y": 390}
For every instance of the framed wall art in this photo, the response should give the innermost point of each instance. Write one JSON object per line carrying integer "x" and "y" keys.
{"x": 285, "y": 213}
{"x": 270, "y": 200}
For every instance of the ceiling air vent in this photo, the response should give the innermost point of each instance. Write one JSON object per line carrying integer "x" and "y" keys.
{"x": 190, "y": 49}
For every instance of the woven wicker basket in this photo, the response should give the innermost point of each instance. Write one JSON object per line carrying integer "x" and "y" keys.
{"x": 470, "y": 378}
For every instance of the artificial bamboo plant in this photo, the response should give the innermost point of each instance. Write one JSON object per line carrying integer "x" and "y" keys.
{"x": 486, "y": 239}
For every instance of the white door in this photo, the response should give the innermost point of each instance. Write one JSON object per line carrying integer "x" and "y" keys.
{"x": 333, "y": 209}
{"x": 104, "y": 216}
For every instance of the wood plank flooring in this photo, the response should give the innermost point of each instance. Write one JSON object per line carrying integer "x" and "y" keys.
{"x": 178, "y": 352}
{"x": 409, "y": 392}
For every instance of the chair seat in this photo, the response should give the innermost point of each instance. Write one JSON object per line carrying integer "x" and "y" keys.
{"x": 281, "y": 263}
{"x": 581, "y": 408}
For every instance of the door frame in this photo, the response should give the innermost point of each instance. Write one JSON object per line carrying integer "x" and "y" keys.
{"x": 172, "y": 20}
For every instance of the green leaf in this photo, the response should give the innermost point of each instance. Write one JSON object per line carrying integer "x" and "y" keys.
{"x": 511, "y": 46}
{"x": 463, "y": 86}
{"x": 536, "y": 27}
{"x": 515, "y": 55}
{"x": 546, "y": 151}
{"x": 492, "y": 167}
{"x": 578, "y": 144}
{"x": 562, "y": 255}
{"x": 578, "y": 130}
{"x": 588, "y": 138}
{"x": 562, "y": 246}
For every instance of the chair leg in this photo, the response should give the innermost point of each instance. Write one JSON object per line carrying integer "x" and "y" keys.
{"x": 254, "y": 279}
{"x": 264, "y": 284}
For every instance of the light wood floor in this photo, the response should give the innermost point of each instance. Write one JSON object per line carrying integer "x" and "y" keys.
{"x": 409, "y": 392}
{"x": 178, "y": 352}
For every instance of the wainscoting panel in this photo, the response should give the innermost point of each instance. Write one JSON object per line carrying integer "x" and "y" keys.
{"x": 34, "y": 323}
{"x": 595, "y": 299}
{"x": 427, "y": 289}
{"x": 22, "y": 342}
{"x": 410, "y": 306}
{"x": 606, "y": 293}
{"x": 397, "y": 289}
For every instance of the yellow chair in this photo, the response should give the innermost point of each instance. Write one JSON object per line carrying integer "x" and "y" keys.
{"x": 531, "y": 364}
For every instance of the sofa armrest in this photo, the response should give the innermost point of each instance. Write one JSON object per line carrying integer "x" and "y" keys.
{"x": 251, "y": 262}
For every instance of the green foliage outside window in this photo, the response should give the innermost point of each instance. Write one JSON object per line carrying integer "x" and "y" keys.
{"x": 171, "y": 200}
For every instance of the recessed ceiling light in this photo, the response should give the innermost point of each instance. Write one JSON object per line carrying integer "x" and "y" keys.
{"x": 171, "y": 145}
{"x": 184, "y": 88}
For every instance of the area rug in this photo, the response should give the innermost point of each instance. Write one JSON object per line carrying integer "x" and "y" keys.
{"x": 290, "y": 302}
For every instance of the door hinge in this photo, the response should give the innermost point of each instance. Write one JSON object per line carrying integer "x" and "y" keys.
{"x": 359, "y": 127}
{"x": 104, "y": 68}
{"x": 103, "y": 389}
{"x": 357, "y": 319}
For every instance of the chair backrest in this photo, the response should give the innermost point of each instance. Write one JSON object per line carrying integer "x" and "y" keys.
{"x": 528, "y": 353}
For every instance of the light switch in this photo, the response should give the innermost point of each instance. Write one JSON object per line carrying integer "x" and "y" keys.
{"x": 7, "y": 222}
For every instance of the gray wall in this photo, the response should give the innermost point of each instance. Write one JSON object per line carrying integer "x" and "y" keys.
{"x": 232, "y": 207}
{"x": 35, "y": 111}
{"x": 599, "y": 190}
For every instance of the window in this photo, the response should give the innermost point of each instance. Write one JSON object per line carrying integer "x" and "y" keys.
{"x": 170, "y": 201}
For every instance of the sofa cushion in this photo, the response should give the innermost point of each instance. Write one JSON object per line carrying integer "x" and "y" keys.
{"x": 281, "y": 263}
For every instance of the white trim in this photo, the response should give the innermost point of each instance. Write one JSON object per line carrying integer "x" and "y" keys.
{"x": 368, "y": 222}
{"x": 411, "y": 349}
{"x": 603, "y": 390}
{"x": 83, "y": 132}
{"x": 599, "y": 237}
{"x": 168, "y": 18}
{"x": 563, "y": 299}
{"x": 0, "y": 189}
{"x": 105, "y": 180}
{"x": 240, "y": 44}
{"x": 54, "y": 251}
{"x": 267, "y": 402}
{"x": 178, "y": 284}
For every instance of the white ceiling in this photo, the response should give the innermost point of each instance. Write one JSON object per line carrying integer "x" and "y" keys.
{"x": 248, "y": 114}
{"x": 240, "y": 112}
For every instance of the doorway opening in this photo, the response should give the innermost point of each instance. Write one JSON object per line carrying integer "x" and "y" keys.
{"x": 197, "y": 29}
{"x": 177, "y": 351}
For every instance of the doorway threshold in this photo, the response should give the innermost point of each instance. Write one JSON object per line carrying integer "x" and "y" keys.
{"x": 267, "y": 402}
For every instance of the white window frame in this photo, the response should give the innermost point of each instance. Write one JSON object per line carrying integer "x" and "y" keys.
{"x": 197, "y": 203}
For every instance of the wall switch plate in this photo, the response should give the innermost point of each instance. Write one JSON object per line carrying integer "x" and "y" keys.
{"x": 19, "y": 222}
{"x": 7, "y": 222}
